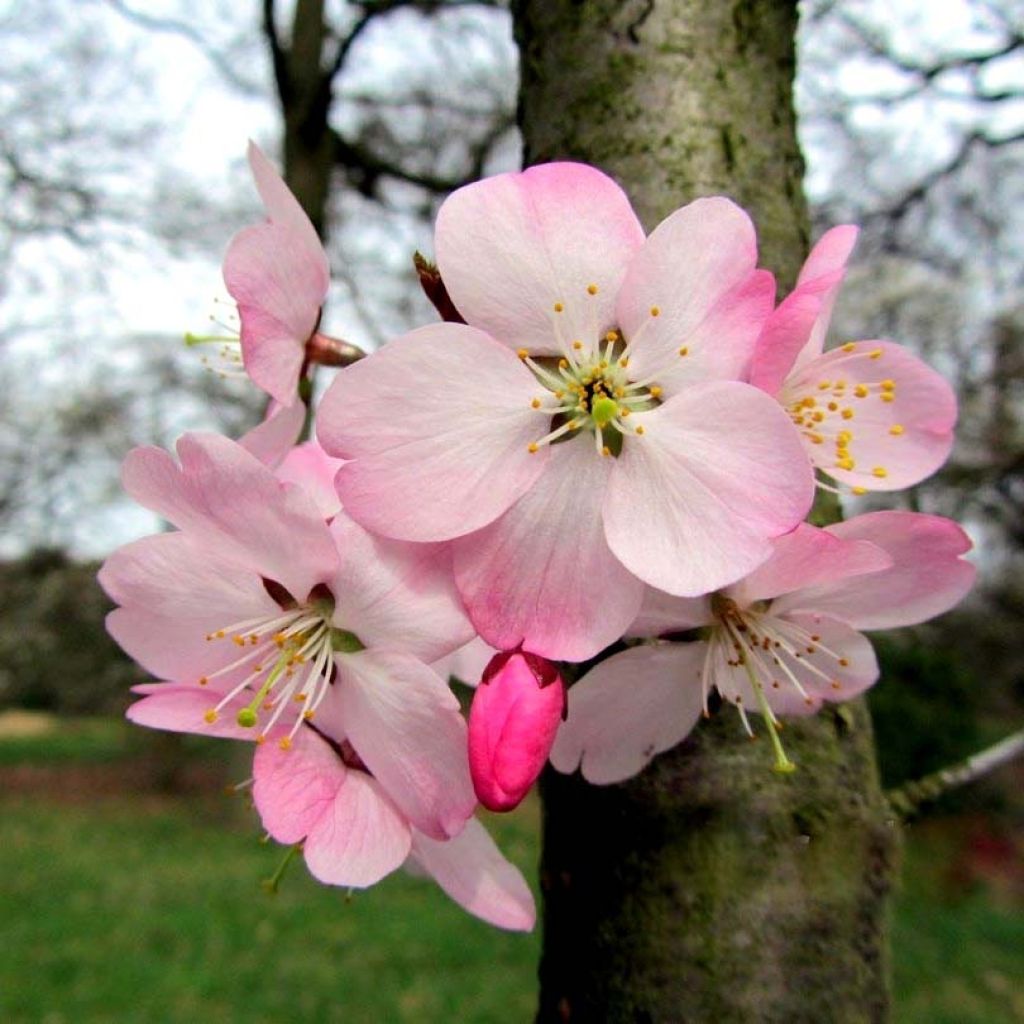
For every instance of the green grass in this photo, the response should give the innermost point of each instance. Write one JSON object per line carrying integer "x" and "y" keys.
{"x": 148, "y": 909}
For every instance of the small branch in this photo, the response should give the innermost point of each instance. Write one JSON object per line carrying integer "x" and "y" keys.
{"x": 909, "y": 797}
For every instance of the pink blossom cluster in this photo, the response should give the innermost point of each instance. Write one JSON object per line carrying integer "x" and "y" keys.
{"x": 609, "y": 459}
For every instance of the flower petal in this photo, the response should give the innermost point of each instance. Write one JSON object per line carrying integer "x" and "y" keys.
{"x": 472, "y": 871}
{"x": 278, "y": 274}
{"x": 663, "y": 613}
{"x": 888, "y": 426}
{"x": 718, "y": 473}
{"x": 628, "y": 708}
{"x": 312, "y": 469}
{"x": 467, "y": 663}
{"x": 360, "y": 838}
{"x": 927, "y": 578}
{"x": 542, "y": 575}
{"x": 226, "y": 498}
{"x": 174, "y": 592}
{"x": 405, "y": 724}
{"x": 184, "y": 709}
{"x": 805, "y": 557}
{"x": 437, "y": 425}
{"x": 396, "y": 595}
{"x": 694, "y": 284}
{"x": 512, "y": 246}
{"x": 273, "y": 439}
{"x": 293, "y": 789}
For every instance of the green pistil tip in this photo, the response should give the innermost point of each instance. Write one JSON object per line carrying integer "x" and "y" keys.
{"x": 246, "y": 718}
{"x": 604, "y": 410}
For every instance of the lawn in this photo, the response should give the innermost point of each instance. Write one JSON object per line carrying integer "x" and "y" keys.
{"x": 148, "y": 908}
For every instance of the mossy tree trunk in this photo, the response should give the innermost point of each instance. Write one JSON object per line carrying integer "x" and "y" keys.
{"x": 708, "y": 889}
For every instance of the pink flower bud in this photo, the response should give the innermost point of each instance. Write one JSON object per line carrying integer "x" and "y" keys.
{"x": 512, "y": 724}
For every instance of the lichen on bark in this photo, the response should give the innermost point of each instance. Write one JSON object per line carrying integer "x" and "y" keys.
{"x": 708, "y": 889}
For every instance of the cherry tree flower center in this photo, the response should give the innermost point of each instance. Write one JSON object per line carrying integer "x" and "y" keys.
{"x": 589, "y": 390}
{"x": 287, "y": 663}
{"x": 771, "y": 652}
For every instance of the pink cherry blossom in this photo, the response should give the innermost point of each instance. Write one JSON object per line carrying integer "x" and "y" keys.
{"x": 870, "y": 414}
{"x": 781, "y": 642}
{"x": 257, "y": 598}
{"x": 586, "y": 431}
{"x": 278, "y": 274}
{"x": 515, "y": 714}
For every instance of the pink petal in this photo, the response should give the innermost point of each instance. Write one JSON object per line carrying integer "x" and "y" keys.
{"x": 396, "y": 595}
{"x": 360, "y": 838}
{"x": 663, "y": 613}
{"x": 718, "y": 473}
{"x": 512, "y": 246}
{"x": 472, "y": 871}
{"x": 184, "y": 709}
{"x": 515, "y": 714}
{"x": 272, "y": 440}
{"x": 927, "y": 578}
{"x": 783, "y": 336}
{"x": 694, "y": 284}
{"x": 467, "y": 663}
{"x": 293, "y": 789}
{"x": 312, "y": 469}
{"x": 542, "y": 576}
{"x": 922, "y": 412}
{"x": 278, "y": 274}
{"x": 805, "y": 557}
{"x": 224, "y": 497}
{"x": 405, "y": 724}
{"x": 632, "y": 706}
{"x": 821, "y": 674}
{"x": 437, "y": 424}
{"x": 174, "y": 592}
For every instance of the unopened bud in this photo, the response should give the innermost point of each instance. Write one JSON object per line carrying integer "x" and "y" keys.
{"x": 516, "y": 712}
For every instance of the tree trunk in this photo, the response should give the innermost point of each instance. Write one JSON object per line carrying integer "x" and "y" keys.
{"x": 707, "y": 889}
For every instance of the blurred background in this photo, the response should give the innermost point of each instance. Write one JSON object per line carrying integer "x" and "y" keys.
{"x": 130, "y": 883}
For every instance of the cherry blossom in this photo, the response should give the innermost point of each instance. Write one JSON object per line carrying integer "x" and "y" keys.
{"x": 783, "y": 641}
{"x": 871, "y": 414}
{"x": 586, "y": 431}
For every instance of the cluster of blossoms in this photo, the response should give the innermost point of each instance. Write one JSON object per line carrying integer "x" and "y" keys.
{"x": 611, "y": 439}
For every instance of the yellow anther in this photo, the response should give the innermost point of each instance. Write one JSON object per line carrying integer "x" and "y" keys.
{"x": 842, "y": 442}
{"x": 558, "y": 307}
{"x": 888, "y": 385}
{"x": 847, "y": 414}
{"x": 684, "y": 351}
{"x": 844, "y": 435}
{"x": 260, "y": 740}
{"x": 591, "y": 289}
{"x": 559, "y": 395}
{"x": 880, "y": 471}
{"x": 563, "y": 364}
{"x": 624, "y": 362}
{"x": 577, "y": 345}
{"x": 655, "y": 391}
{"x": 849, "y": 347}
{"x": 532, "y": 448}
{"x": 840, "y": 384}
{"x": 624, "y": 413}
{"x": 606, "y": 450}
{"x": 611, "y": 336}
{"x": 832, "y": 406}
{"x": 203, "y": 680}
{"x": 896, "y": 429}
{"x": 238, "y": 640}
{"x": 817, "y": 416}
{"x": 299, "y": 698}
{"x": 844, "y": 662}
{"x": 845, "y": 464}
{"x": 655, "y": 311}
{"x": 210, "y": 716}
{"x": 285, "y": 743}
{"x": 639, "y": 429}
{"x": 522, "y": 353}
{"x": 535, "y": 403}
{"x": 808, "y": 401}
{"x": 875, "y": 353}
{"x": 307, "y": 716}
{"x": 824, "y": 385}
{"x": 816, "y": 438}
{"x": 859, "y": 490}
{"x": 888, "y": 396}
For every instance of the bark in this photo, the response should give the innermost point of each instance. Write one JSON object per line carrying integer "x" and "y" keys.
{"x": 708, "y": 889}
